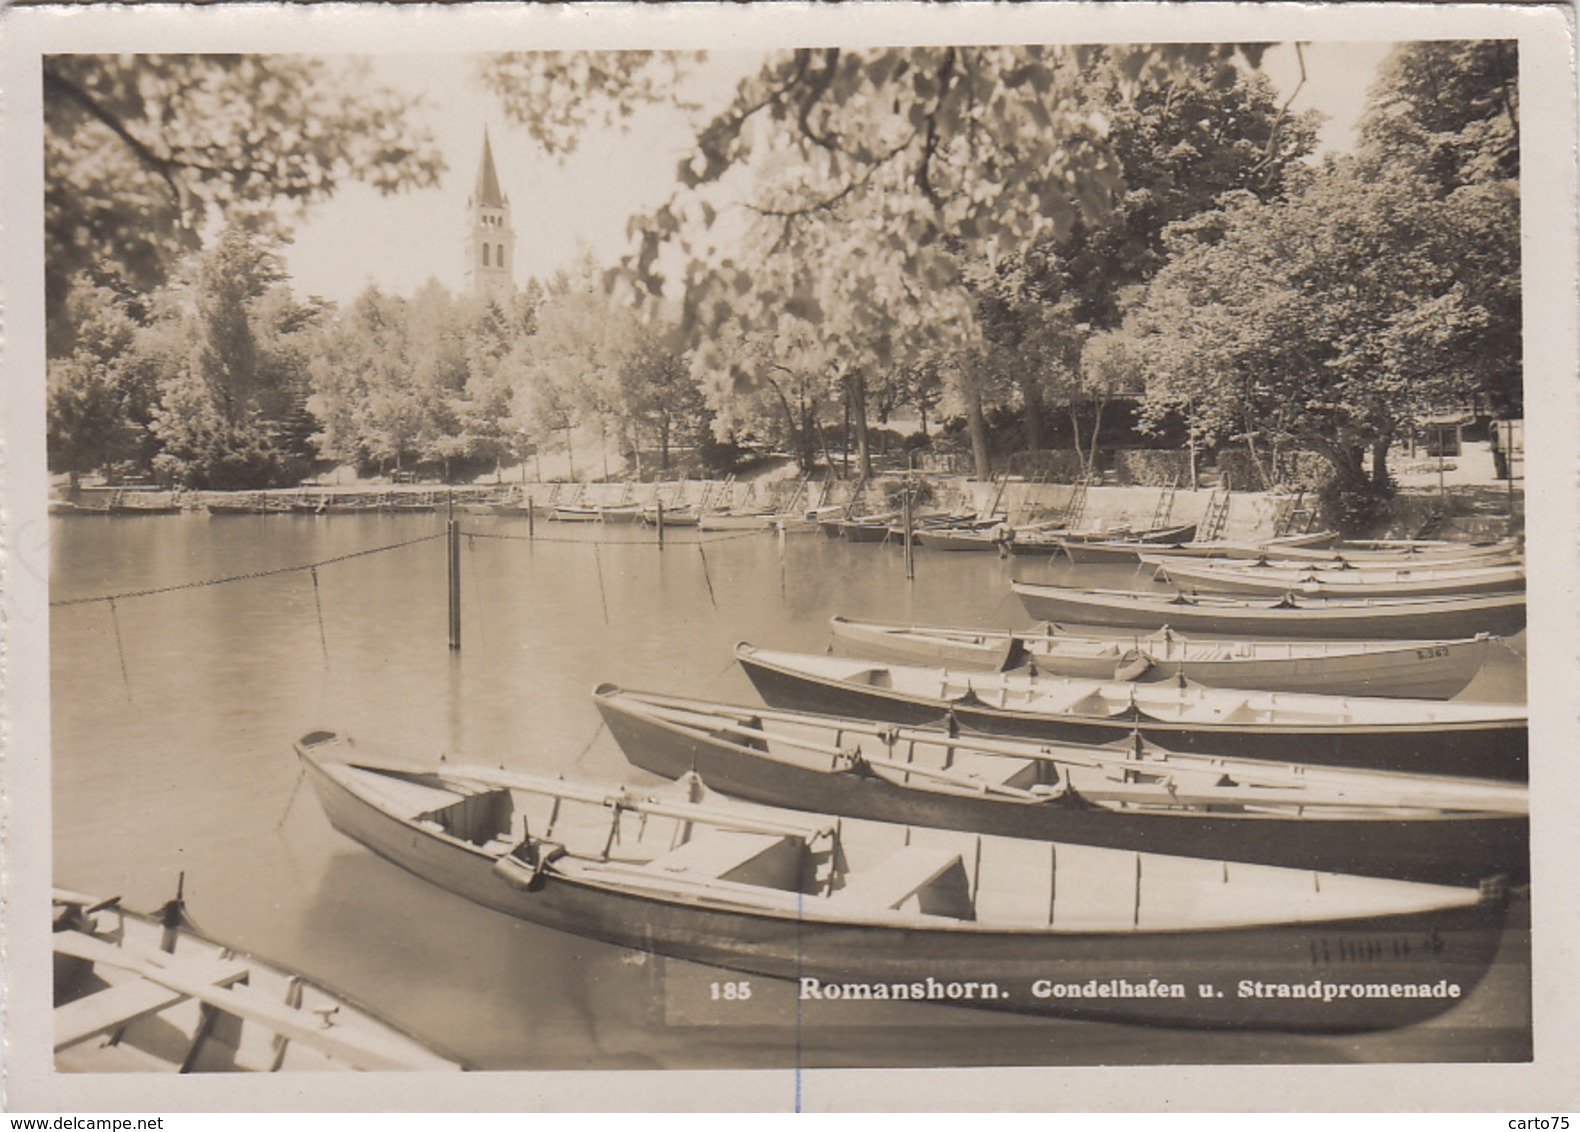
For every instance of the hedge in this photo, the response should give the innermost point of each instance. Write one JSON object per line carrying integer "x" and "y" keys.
{"x": 1299, "y": 470}
{"x": 1152, "y": 467}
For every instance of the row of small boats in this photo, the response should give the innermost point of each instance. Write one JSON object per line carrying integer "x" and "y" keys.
{"x": 1121, "y": 883}
{"x": 1072, "y": 821}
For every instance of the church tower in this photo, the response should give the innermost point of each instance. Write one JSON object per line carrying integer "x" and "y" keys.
{"x": 490, "y": 241}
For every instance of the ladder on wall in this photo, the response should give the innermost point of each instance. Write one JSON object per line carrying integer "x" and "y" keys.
{"x": 1295, "y": 515}
{"x": 1217, "y": 514}
{"x": 1165, "y": 507}
{"x": 1077, "y": 505}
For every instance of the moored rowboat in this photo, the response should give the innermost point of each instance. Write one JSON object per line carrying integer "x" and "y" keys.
{"x": 1344, "y": 582}
{"x": 1360, "y": 554}
{"x": 1480, "y": 740}
{"x": 1126, "y": 549}
{"x": 1398, "y": 618}
{"x": 1428, "y": 670}
{"x": 148, "y": 993}
{"x": 1123, "y": 795}
{"x": 877, "y": 910}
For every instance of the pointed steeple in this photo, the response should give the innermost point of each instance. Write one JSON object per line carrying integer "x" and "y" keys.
{"x": 487, "y": 194}
{"x": 490, "y": 245}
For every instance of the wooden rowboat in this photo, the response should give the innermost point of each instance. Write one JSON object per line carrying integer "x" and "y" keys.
{"x": 1360, "y": 554}
{"x": 874, "y": 910}
{"x": 867, "y": 528}
{"x": 1123, "y": 795}
{"x": 140, "y": 993}
{"x": 1128, "y": 549}
{"x": 961, "y": 539}
{"x": 1343, "y": 582}
{"x": 575, "y": 513}
{"x": 1398, "y": 618}
{"x": 1275, "y": 560}
{"x": 1480, "y": 740}
{"x": 680, "y": 515}
{"x": 1427, "y": 670}
{"x": 735, "y": 520}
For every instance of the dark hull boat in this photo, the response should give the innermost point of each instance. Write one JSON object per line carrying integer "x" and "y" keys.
{"x": 1399, "y": 618}
{"x": 1422, "y": 736}
{"x": 1413, "y": 827}
{"x": 872, "y": 910}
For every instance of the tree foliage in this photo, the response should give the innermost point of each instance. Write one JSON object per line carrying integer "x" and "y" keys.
{"x": 228, "y": 348}
{"x": 140, "y": 152}
{"x": 1449, "y": 110}
{"x": 98, "y": 399}
{"x": 1330, "y": 321}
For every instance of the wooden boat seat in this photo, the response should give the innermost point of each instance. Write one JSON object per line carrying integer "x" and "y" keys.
{"x": 1084, "y": 702}
{"x": 734, "y": 855}
{"x": 998, "y": 770}
{"x": 122, "y": 1004}
{"x": 935, "y": 878}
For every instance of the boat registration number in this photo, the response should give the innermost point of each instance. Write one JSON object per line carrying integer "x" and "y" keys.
{"x": 1429, "y": 653}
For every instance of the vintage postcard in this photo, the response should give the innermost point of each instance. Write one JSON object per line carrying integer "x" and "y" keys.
{"x": 702, "y": 557}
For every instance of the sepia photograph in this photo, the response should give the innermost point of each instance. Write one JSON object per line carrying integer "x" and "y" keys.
{"x": 799, "y": 542}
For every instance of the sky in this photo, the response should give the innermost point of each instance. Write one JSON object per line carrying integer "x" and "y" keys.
{"x": 561, "y": 209}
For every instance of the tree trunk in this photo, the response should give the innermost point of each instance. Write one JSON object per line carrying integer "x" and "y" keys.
{"x": 976, "y": 425}
{"x": 1075, "y": 436}
{"x": 663, "y": 447}
{"x": 1097, "y": 430}
{"x": 1033, "y": 398}
{"x": 828, "y": 457}
{"x": 800, "y": 443}
{"x": 858, "y": 414}
{"x": 1380, "y": 462}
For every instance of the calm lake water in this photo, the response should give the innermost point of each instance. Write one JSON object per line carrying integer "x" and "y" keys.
{"x": 174, "y": 714}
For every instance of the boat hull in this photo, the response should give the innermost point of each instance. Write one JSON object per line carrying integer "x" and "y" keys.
{"x": 148, "y": 993}
{"x": 1275, "y": 583}
{"x": 957, "y": 540}
{"x": 1427, "y": 670}
{"x": 855, "y": 531}
{"x": 1047, "y": 971}
{"x": 1494, "y": 749}
{"x": 1401, "y": 619}
{"x": 1104, "y": 553}
{"x": 1461, "y": 849}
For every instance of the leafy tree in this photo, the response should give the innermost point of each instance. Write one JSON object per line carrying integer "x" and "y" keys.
{"x": 875, "y": 171}
{"x": 140, "y": 151}
{"x": 1449, "y": 110}
{"x": 98, "y": 401}
{"x": 657, "y": 393}
{"x": 1182, "y": 143}
{"x": 228, "y": 348}
{"x": 1329, "y": 321}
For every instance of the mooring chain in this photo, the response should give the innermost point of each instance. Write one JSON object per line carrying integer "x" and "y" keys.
{"x": 615, "y": 541}
{"x": 243, "y": 577}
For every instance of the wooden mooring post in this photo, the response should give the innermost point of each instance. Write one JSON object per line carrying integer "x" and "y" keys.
{"x": 910, "y": 535}
{"x": 453, "y": 574}
{"x": 661, "y": 524}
